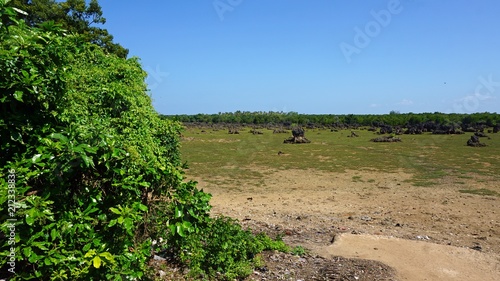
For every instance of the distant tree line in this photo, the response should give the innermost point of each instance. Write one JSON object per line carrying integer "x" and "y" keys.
{"x": 394, "y": 118}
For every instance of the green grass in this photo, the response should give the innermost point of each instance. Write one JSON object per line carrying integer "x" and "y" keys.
{"x": 357, "y": 179}
{"x": 482, "y": 191}
{"x": 245, "y": 157}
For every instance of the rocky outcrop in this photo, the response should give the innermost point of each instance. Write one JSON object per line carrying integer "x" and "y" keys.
{"x": 474, "y": 142}
{"x": 297, "y": 136}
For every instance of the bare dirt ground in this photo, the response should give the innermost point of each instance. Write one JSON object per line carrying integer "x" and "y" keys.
{"x": 420, "y": 233}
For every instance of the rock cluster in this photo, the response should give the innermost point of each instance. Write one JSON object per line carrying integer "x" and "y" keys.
{"x": 474, "y": 141}
{"x": 353, "y": 135}
{"x": 256, "y": 132}
{"x": 233, "y": 131}
{"x": 297, "y": 137}
{"x": 386, "y": 139}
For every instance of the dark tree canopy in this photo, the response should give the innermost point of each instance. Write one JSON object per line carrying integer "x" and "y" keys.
{"x": 75, "y": 16}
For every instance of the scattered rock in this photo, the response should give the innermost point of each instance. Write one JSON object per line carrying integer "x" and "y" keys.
{"x": 477, "y": 248}
{"x": 353, "y": 135}
{"x": 158, "y": 258}
{"x": 280, "y": 131}
{"x": 423, "y": 237}
{"x": 480, "y": 134}
{"x": 386, "y": 139}
{"x": 256, "y": 132}
{"x": 474, "y": 142}
{"x": 366, "y": 218}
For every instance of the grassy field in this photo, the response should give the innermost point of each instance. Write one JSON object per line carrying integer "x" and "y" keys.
{"x": 217, "y": 156}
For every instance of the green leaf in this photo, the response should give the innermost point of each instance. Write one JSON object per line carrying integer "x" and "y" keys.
{"x": 87, "y": 247}
{"x": 27, "y": 251}
{"x": 111, "y": 223}
{"x": 192, "y": 213}
{"x": 172, "y": 228}
{"x": 36, "y": 158}
{"x": 40, "y": 245}
{"x": 180, "y": 229}
{"x": 90, "y": 253}
{"x": 120, "y": 220}
{"x": 90, "y": 209}
{"x": 18, "y": 95}
{"x": 128, "y": 223}
{"x": 116, "y": 152}
{"x": 33, "y": 258}
{"x": 29, "y": 220}
{"x": 178, "y": 212}
{"x": 53, "y": 234}
{"x": 79, "y": 148}
{"x": 96, "y": 261}
{"x": 88, "y": 161}
{"x": 99, "y": 243}
{"x": 47, "y": 261}
{"x": 19, "y": 10}
{"x": 186, "y": 224}
{"x": 107, "y": 256}
{"x": 143, "y": 208}
{"x": 59, "y": 137}
{"x": 115, "y": 210}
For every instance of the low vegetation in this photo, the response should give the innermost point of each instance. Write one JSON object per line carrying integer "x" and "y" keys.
{"x": 430, "y": 158}
{"x": 481, "y": 191}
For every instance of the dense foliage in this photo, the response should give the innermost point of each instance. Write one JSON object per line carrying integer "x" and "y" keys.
{"x": 76, "y": 16}
{"x": 392, "y": 119}
{"x": 93, "y": 173}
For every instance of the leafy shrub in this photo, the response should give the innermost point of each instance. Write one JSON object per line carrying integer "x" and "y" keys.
{"x": 97, "y": 172}
{"x": 90, "y": 155}
{"x": 224, "y": 250}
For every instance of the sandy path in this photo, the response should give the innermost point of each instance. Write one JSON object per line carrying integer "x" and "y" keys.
{"x": 417, "y": 260}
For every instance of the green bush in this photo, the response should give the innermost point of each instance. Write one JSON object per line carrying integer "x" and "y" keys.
{"x": 90, "y": 154}
{"x": 96, "y": 172}
{"x": 224, "y": 250}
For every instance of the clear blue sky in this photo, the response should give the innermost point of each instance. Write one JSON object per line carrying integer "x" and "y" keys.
{"x": 322, "y": 56}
